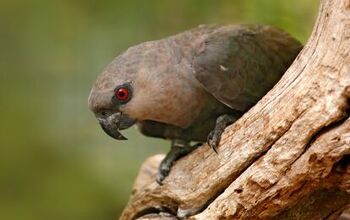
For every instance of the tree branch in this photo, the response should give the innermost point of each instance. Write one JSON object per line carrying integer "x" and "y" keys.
{"x": 286, "y": 158}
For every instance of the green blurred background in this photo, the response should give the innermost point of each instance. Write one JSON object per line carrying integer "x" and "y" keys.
{"x": 56, "y": 163}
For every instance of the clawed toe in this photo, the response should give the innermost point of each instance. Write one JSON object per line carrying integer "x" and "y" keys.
{"x": 163, "y": 172}
{"x": 178, "y": 149}
{"x": 214, "y": 136}
{"x": 213, "y": 141}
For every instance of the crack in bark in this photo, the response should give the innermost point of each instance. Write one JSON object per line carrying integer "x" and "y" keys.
{"x": 318, "y": 133}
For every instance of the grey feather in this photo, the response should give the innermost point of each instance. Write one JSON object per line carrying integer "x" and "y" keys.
{"x": 239, "y": 64}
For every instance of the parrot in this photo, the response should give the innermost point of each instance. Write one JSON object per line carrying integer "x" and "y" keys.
{"x": 187, "y": 88}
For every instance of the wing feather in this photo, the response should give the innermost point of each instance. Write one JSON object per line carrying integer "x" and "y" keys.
{"x": 239, "y": 64}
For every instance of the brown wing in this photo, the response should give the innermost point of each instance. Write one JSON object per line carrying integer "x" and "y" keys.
{"x": 240, "y": 64}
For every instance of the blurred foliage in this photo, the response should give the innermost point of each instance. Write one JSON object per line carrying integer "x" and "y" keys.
{"x": 55, "y": 162}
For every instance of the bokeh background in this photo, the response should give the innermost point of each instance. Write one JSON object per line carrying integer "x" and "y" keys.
{"x": 55, "y": 161}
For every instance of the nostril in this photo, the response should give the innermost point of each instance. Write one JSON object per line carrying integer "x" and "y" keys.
{"x": 104, "y": 113}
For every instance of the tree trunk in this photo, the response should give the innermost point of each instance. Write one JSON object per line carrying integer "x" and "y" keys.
{"x": 287, "y": 158}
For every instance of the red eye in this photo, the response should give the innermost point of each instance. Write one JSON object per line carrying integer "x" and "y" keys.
{"x": 122, "y": 94}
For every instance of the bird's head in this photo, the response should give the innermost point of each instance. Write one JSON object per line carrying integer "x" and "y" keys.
{"x": 132, "y": 86}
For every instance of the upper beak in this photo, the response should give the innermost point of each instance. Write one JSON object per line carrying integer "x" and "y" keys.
{"x": 115, "y": 122}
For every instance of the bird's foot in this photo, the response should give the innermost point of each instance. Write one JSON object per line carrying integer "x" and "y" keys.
{"x": 215, "y": 135}
{"x": 178, "y": 149}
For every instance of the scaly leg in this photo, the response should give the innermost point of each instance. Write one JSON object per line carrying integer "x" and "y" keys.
{"x": 179, "y": 148}
{"x": 215, "y": 135}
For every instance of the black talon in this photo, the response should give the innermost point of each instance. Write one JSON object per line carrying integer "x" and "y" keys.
{"x": 211, "y": 142}
{"x": 214, "y": 136}
{"x": 178, "y": 149}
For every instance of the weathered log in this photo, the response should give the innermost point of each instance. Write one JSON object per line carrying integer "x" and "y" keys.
{"x": 287, "y": 158}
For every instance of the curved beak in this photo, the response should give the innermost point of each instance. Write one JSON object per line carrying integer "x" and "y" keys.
{"x": 115, "y": 122}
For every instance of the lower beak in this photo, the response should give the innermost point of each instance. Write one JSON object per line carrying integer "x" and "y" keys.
{"x": 115, "y": 122}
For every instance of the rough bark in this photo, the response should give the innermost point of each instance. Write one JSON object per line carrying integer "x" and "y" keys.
{"x": 287, "y": 158}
